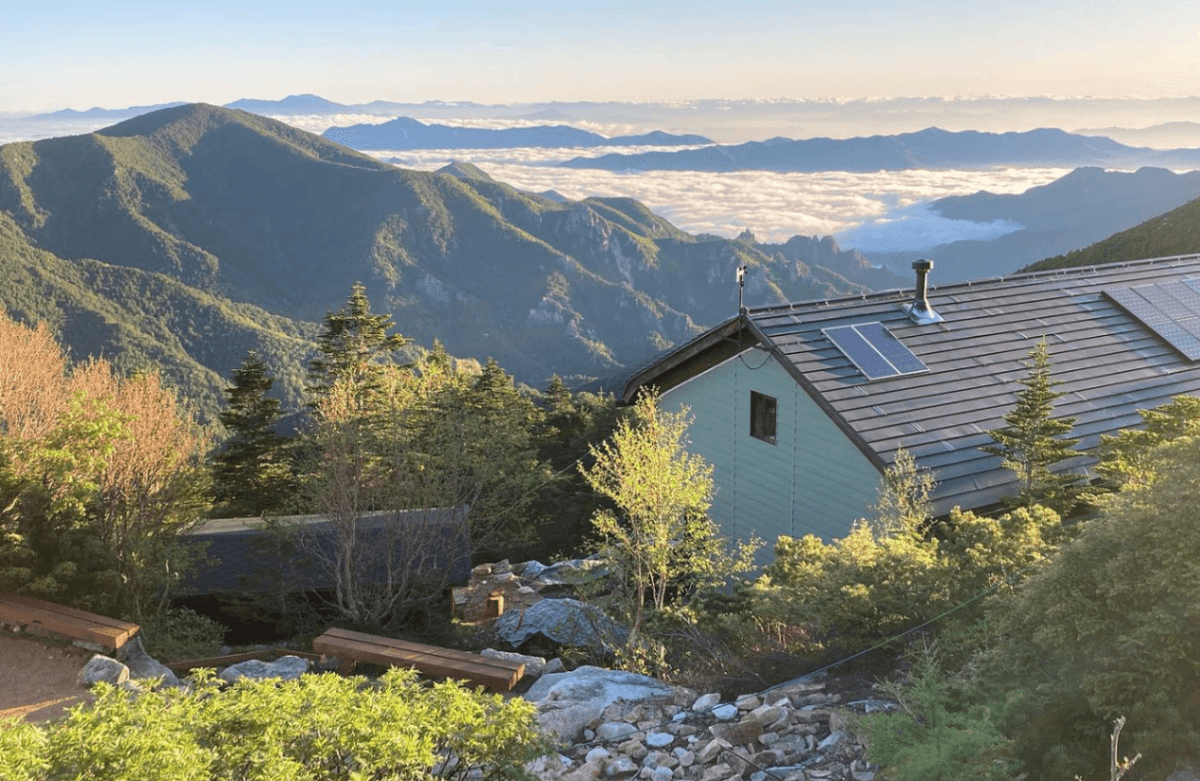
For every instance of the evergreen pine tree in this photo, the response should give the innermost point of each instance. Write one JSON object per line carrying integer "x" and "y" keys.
{"x": 352, "y": 348}
{"x": 1033, "y": 441}
{"x": 251, "y": 475}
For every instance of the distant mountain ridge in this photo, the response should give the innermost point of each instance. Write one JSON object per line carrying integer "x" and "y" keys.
{"x": 1074, "y": 211}
{"x": 184, "y": 237}
{"x": 104, "y": 113}
{"x": 406, "y": 133}
{"x": 1175, "y": 233}
{"x": 931, "y": 148}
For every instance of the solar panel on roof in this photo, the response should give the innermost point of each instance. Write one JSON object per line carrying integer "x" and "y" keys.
{"x": 891, "y": 348}
{"x": 1169, "y": 309}
{"x": 874, "y": 350}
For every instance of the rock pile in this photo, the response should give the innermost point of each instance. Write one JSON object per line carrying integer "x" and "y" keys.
{"x": 799, "y": 732}
{"x": 532, "y": 600}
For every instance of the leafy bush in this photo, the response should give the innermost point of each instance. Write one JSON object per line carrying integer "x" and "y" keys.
{"x": 1113, "y": 619}
{"x": 179, "y": 633}
{"x": 319, "y": 728}
{"x": 945, "y": 729}
{"x": 875, "y": 583}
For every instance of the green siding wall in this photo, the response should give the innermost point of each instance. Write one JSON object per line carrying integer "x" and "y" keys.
{"x": 813, "y": 480}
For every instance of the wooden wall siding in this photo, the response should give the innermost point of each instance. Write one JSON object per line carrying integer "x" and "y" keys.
{"x": 1110, "y": 365}
{"x": 811, "y": 481}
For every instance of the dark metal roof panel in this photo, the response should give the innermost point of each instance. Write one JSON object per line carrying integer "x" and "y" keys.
{"x": 1109, "y": 364}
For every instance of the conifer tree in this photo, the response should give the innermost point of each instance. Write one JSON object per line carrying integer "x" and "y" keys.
{"x": 353, "y": 347}
{"x": 1033, "y": 441}
{"x": 251, "y": 475}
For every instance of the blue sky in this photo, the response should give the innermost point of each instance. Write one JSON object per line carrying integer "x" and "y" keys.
{"x": 126, "y": 52}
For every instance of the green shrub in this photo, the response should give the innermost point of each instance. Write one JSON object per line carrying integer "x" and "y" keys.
{"x": 946, "y": 729}
{"x": 875, "y": 583}
{"x": 179, "y": 633}
{"x": 319, "y": 728}
{"x": 1115, "y": 617}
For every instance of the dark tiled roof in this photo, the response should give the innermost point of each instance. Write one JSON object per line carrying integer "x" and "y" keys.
{"x": 1110, "y": 366}
{"x": 246, "y": 555}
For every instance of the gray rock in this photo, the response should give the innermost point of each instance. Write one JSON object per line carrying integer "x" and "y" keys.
{"x": 555, "y": 665}
{"x": 142, "y": 666}
{"x": 620, "y": 767}
{"x": 598, "y": 754}
{"x": 633, "y": 748}
{"x": 717, "y": 772}
{"x": 725, "y": 712}
{"x": 568, "y": 702}
{"x": 287, "y": 668}
{"x": 614, "y": 729}
{"x": 659, "y": 739}
{"x": 102, "y": 669}
{"x": 767, "y": 714}
{"x": 830, "y": 741}
{"x": 532, "y": 569}
{"x": 534, "y": 665}
{"x": 712, "y": 750}
{"x": 706, "y": 702}
{"x": 573, "y": 572}
{"x": 662, "y": 773}
{"x": 743, "y": 733}
{"x": 565, "y": 621}
{"x": 686, "y": 758}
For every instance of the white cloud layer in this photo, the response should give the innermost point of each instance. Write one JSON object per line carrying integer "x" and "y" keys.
{"x": 775, "y": 206}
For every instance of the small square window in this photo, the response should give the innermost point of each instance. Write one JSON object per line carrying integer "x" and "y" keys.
{"x": 762, "y": 417}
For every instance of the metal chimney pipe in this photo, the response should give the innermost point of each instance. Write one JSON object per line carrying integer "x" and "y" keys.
{"x": 920, "y": 310}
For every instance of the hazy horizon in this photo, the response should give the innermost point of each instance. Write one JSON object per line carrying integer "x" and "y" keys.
{"x": 134, "y": 53}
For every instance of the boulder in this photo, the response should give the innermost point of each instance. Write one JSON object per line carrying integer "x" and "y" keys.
{"x": 287, "y": 668}
{"x": 564, "y": 621}
{"x": 568, "y": 702}
{"x": 534, "y": 665}
{"x": 142, "y": 666}
{"x": 102, "y": 669}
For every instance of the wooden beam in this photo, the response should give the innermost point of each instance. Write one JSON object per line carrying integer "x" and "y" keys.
{"x": 496, "y": 674}
{"x": 107, "y": 632}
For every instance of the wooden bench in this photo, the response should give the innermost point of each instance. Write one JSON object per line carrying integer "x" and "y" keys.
{"x": 37, "y": 614}
{"x": 497, "y": 674}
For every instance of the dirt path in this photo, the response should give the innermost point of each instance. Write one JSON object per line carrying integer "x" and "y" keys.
{"x": 37, "y": 679}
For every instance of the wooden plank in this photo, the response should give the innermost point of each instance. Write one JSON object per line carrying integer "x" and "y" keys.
{"x": 110, "y": 633}
{"x": 445, "y": 662}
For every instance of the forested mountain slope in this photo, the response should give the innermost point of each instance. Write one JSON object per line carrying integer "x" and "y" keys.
{"x": 188, "y": 235}
{"x": 1175, "y": 233}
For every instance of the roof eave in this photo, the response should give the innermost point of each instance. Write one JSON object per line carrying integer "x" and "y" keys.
{"x": 682, "y": 355}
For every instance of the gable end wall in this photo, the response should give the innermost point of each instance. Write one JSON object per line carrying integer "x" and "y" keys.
{"x": 813, "y": 480}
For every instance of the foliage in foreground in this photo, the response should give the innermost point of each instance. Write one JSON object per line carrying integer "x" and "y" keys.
{"x": 894, "y": 573}
{"x": 944, "y": 729}
{"x": 1111, "y": 623}
{"x": 319, "y": 728}
{"x": 656, "y": 533}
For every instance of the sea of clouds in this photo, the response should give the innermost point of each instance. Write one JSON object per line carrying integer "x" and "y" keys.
{"x": 884, "y": 211}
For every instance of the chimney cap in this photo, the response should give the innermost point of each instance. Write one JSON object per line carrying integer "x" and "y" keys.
{"x": 919, "y": 309}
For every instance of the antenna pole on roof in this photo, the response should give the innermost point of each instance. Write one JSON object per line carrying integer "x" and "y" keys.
{"x": 741, "y": 280}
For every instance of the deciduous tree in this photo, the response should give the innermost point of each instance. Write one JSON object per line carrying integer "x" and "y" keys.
{"x": 657, "y": 533}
